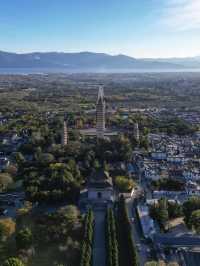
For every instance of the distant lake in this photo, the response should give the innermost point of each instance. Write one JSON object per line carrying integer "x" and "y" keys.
{"x": 26, "y": 71}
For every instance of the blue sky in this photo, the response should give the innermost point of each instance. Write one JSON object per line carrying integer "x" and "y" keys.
{"x": 139, "y": 28}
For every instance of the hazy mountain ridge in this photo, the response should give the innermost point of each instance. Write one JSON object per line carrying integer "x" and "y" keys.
{"x": 92, "y": 61}
{"x": 190, "y": 62}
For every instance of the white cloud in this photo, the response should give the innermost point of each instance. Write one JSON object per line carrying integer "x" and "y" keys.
{"x": 182, "y": 14}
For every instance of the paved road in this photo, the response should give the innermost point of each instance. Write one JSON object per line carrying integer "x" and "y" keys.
{"x": 142, "y": 251}
{"x": 183, "y": 240}
{"x": 99, "y": 252}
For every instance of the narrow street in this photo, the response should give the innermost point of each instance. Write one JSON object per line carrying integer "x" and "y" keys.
{"x": 99, "y": 252}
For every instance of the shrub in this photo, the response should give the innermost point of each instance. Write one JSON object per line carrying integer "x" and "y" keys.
{"x": 87, "y": 243}
{"x": 111, "y": 241}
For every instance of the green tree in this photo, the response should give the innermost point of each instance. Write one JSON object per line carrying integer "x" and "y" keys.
{"x": 87, "y": 242}
{"x": 46, "y": 158}
{"x": 70, "y": 212}
{"x": 163, "y": 211}
{"x": 5, "y": 181}
{"x": 96, "y": 164}
{"x": 24, "y": 238}
{"x": 19, "y": 158}
{"x": 189, "y": 206}
{"x": 7, "y": 228}
{"x": 144, "y": 142}
{"x": 13, "y": 262}
{"x": 175, "y": 210}
{"x": 195, "y": 221}
{"x": 151, "y": 263}
{"x": 123, "y": 183}
{"x": 160, "y": 213}
{"x": 111, "y": 241}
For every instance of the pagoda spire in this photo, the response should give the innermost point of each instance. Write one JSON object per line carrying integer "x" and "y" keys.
{"x": 65, "y": 134}
{"x": 100, "y": 94}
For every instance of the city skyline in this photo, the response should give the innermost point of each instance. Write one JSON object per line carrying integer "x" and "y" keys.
{"x": 141, "y": 29}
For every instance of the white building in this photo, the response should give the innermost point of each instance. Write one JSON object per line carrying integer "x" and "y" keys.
{"x": 159, "y": 155}
{"x": 191, "y": 175}
{"x": 136, "y": 132}
{"x": 151, "y": 174}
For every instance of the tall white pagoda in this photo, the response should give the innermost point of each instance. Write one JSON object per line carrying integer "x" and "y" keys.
{"x": 100, "y": 114}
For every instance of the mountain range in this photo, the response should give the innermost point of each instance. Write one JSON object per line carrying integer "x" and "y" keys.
{"x": 95, "y": 62}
